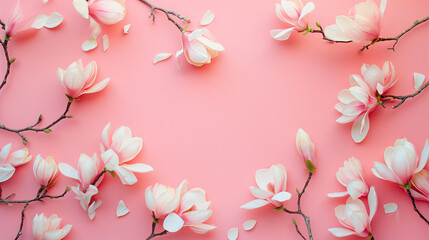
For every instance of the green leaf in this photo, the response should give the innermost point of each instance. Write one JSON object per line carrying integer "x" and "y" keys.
{"x": 297, "y": 191}
{"x": 69, "y": 116}
{"x": 318, "y": 24}
{"x": 112, "y": 173}
{"x": 293, "y": 221}
{"x": 311, "y": 168}
{"x": 24, "y": 141}
{"x": 47, "y": 130}
{"x": 69, "y": 98}
{"x": 12, "y": 60}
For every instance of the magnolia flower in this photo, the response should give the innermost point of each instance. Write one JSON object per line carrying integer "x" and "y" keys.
{"x": 292, "y": 13}
{"x": 199, "y": 47}
{"x": 79, "y": 80}
{"x": 361, "y": 98}
{"x": 45, "y": 171}
{"x": 8, "y": 162}
{"x": 420, "y": 181}
{"x": 271, "y": 188}
{"x": 402, "y": 162}
{"x": 117, "y": 152}
{"x": 354, "y": 216}
{"x": 351, "y": 177}
{"x": 163, "y": 200}
{"x": 306, "y": 149}
{"x": 49, "y": 228}
{"x": 362, "y": 24}
{"x": 192, "y": 212}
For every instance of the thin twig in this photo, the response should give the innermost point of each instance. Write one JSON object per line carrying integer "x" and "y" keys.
{"x": 415, "y": 207}
{"x": 321, "y": 31}
{"x": 403, "y": 98}
{"x": 98, "y": 177}
{"x": 42, "y": 193}
{"x": 153, "y": 234}
{"x": 22, "y": 222}
{"x": 299, "y": 211}
{"x": 298, "y": 231}
{"x": 8, "y": 61}
{"x": 167, "y": 13}
{"x": 3, "y": 25}
{"x": 33, "y": 126}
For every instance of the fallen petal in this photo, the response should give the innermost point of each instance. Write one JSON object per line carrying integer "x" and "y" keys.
{"x": 390, "y": 208}
{"x": 105, "y": 42}
{"x": 207, "y": 18}
{"x": 54, "y": 20}
{"x": 161, "y": 57}
{"x": 89, "y": 45}
{"x": 233, "y": 234}
{"x": 39, "y": 21}
{"x": 127, "y": 28}
{"x": 418, "y": 80}
{"x": 121, "y": 210}
{"x": 249, "y": 225}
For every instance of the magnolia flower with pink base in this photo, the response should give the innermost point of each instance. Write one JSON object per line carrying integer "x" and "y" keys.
{"x": 9, "y": 161}
{"x": 362, "y": 25}
{"x": 354, "y": 217}
{"x": 362, "y": 97}
{"x": 199, "y": 47}
{"x": 292, "y": 12}
{"x": 49, "y": 228}
{"x": 119, "y": 149}
{"x": 420, "y": 181}
{"x": 306, "y": 149}
{"x": 79, "y": 80}
{"x": 45, "y": 170}
{"x": 351, "y": 177}
{"x": 271, "y": 188}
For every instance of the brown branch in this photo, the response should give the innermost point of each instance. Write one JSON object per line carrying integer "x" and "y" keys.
{"x": 8, "y": 60}
{"x": 153, "y": 234}
{"x": 415, "y": 207}
{"x": 33, "y": 127}
{"x": 42, "y": 193}
{"x": 99, "y": 176}
{"x": 22, "y": 222}
{"x": 167, "y": 13}
{"x": 402, "y": 99}
{"x": 321, "y": 31}
{"x": 3, "y": 25}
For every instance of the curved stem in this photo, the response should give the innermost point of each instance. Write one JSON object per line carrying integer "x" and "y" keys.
{"x": 33, "y": 126}
{"x": 22, "y": 222}
{"x": 42, "y": 193}
{"x": 167, "y": 13}
{"x": 415, "y": 207}
{"x": 402, "y": 98}
{"x": 153, "y": 234}
{"x": 98, "y": 177}
{"x": 8, "y": 61}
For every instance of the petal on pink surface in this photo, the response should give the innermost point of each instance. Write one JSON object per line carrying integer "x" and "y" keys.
{"x": 338, "y": 194}
{"x": 390, "y": 208}
{"x": 81, "y": 7}
{"x": 257, "y": 203}
{"x": 150, "y": 200}
{"x": 201, "y": 228}
{"x": 308, "y": 8}
{"x": 68, "y": 171}
{"x": 161, "y": 57}
{"x": 105, "y": 135}
{"x": 281, "y": 196}
{"x": 233, "y": 234}
{"x": 105, "y": 42}
{"x": 424, "y": 157}
{"x": 249, "y": 225}
{"x": 138, "y": 167}
{"x": 129, "y": 149}
{"x": 173, "y": 222}
{"x": 110, "y": 159}
{"x": 4, "y": 153}
{"x": 341, "y": 232}
{"x": 418, "y": 80}
{"x": 127, "y": 177}
{"x": 6, "y": 172}
{"x": 281, "y": 34}
{"x": 121, "y": 209}
{"x": 89, "y": 45}
{"x": 383, "y": 172}
{"x": 360, "y": 128}
{"x": 98, "y": 87}
{"x": 54, "y": 20}
{"x": 207, "y": 18}
{"x": 372, "y": 202}
{"x": 127, "y": 28}
{"x": 383, "y": 4}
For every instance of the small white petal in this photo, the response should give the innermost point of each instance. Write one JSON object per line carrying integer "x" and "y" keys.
{"x": 418, "y": 80}
{"x": 127, "y": 28}
{"x": 121, "y": 210}
{"x": 233, "y": 234}
{"x": 207, "y": 18}
{"x": 105, "y": 42}
{"x": 249, "y": 225}
{"x": 161, "y": 57}
{"x": 390, "y": 208}
{"x": 39, "y": 21}
{"x": 81, "y": 7}
{"x": 89, "y": 45}
{"x": 54, "y": 20}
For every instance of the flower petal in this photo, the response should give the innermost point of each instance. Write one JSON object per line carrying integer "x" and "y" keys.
{"x": 360, "y": 128}
{"x": 54, "y": 20}
{"x": 257, "y": 203}
{"x": 68, "y": 171}
{"x": 372, "y": 202}
{"x": 233, "y": 234}
{"x": 97, "y": 87}
{"x": 127, "y": 177}
{"x": 89, "y": 45}
{"x": 249, "y": 225}
{"x": 138, "y": 167}
{"x": 5, "y": 152}
{"x": 390, "y": 208}
{"x": 110, "y": 159}
{"x": 341, "y": 232}
{"x": 105, "y": 42}
{"x": 282, "y": 196}
{"x": 338, "y": 194}
{"x": 81, "y": 7}
{"x": 207, "y": 18}
{"x": 127, "y": 28}
{"x": 122, "y": 209}
{"x": 173, "y": 222}
{"x": 281, "y": 34}
{"x": 161, "y": 57}
{"x": 6, "y": 172}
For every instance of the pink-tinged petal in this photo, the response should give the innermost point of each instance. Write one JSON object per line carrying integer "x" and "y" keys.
{"x": 424, "y": 157}
{"x": 196, "y": 216}
{"x": 281, "y": 34}
{"x": 119, "y": 136}
{"x": 338, "y": 194}
{"x": 201, "y": 228}
{"x": 6, "y": 172}
{"x": 121, "y": 209}
{"x": 89, "y": 45}
{"x": 418, "y": 80}
{"x": 39, "y": 21}
{"x": 129, "y": 149}
{"x": 105, "y": 135}
{"x": 263, "y": 177}
{"x": 187, "y": 202}
{"x": 197, "y": 53}
{"x": 150, "y": 200}
{"x": 207, "y": 18}
{"x": 19, "y": 157}
{"x": 127, "y": 177}
{"x": 260, "y": 193}
{"x": 372, "y": 76}
{"x": 68, "y": 171}
{"x": 281, "y": 196}
{"x": 345, "y": 119}
{"x": 173, "y": 222}
{"x": 334, "y": 32}
{"x": 211, "y": 44}
{"x": 161, "y": 57}
{"x": 95, "y": 29}
{"x": 105, "y": 42}
{"x": 357, "y": 188}
{"x": 91, "y": 209}
{"x": 351, "y": 29}
{"x": 138, "y": 167}
{"x": 90, "y": 73}
{"x": 108, "y": 12}
{"x": 54, "y": 20}
{"x": 58, "y": 234}
{"x": 233, "y": 234}
{"x": 127, "y": 28}
{"x": 345, "y": 96}
{"x": 360, "y": 128}
{"x": 249, "y": 225}
{"x": 360, "y": 94}
{"x": 81, "y": 7}
{"x": 383, "y": 5}
{"x": 358, "y": 222}
{"x": 257, "y": 203}
{"x": 14, "y": 20}
{"x": 110, "y": 159}
{"x": 419, "y": 196}
{"x": 383, "y": 172}
{"x": 97, "y": 87}
{"x": 5, "y": 152}
{"x": 372, "y": 202}
{"x": 341, "y": 232}
{"x": 390, "y": 208}
{"x": 308, "y": 8}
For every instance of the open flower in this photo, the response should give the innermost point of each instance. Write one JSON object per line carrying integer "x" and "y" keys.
{"x": 361, "y": 98}
{"x": 199, "y": 47}
{"x": 271, "y": 188}
{"x": 354, "y": 216}
{"x": 362, "y": 24}
{"x": 292, "y": 12}
{"x": 117, "y": 152}
{"x": 8, "y": 162}
{"x": 350, "y": 176}
{"x": 420, "y": 181}
{"x": 306, "y": 149}
{"x": 49, "y": 228}
{"x": 402, "y": 162}
{"x": 45, "y": 170}
{"x": 79, "y": 80}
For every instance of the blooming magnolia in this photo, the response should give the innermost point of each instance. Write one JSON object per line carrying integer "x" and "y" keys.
{"x": 362, "y": 97}
{"x": 354, "y": 216}
{"x": 402, "y": 162}
{"x": 8, "y": 161}
{"x": 362, "y": 24}
{"x": 199, "y": 47}
{"x": 118, "y": 150}
{"x": 271, "y": 188}
{"x": 292, "y": 12}
{"x": 49, "y": 228}
{"x": 306, "y": 149}
{"x": 45, "y": 171}
{"x": 351, "y": 177}
{"x": 79, "y": 80}
{"x": 420, "y": 181}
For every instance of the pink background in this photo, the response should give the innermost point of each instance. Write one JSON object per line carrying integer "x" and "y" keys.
{"x": 215, "y": 125}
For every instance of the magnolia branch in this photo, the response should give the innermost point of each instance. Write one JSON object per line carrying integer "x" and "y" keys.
{"x": 386, "y": 98}
{"x": 8, "y": 60}
{"x": 167, "y": 13}
{"x": 299, "y": 211}
{"x": 153, "y": 234}
{"x": 99, "y": 176}
{"x": 415, "y": 207}
{"x": 33, "y": 127}
{"x": 22, "y": 222}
